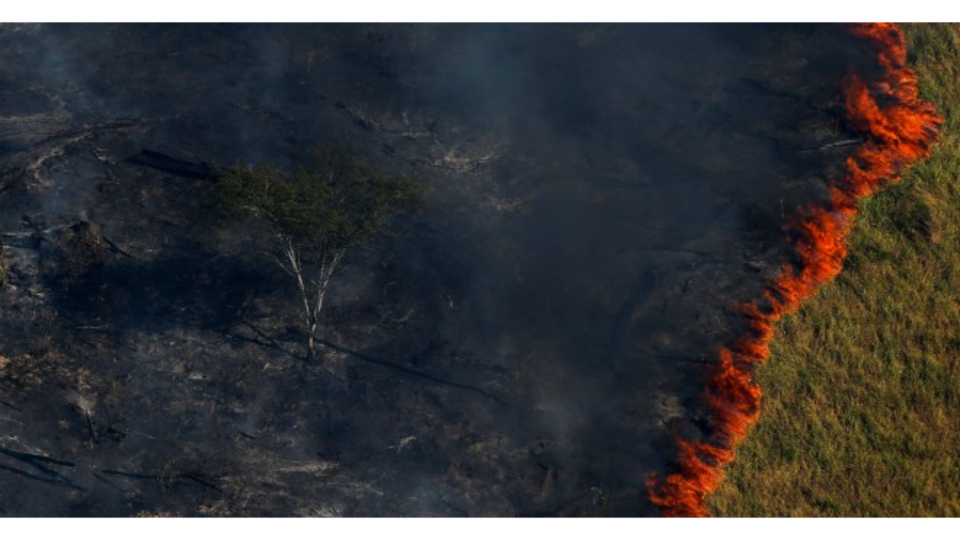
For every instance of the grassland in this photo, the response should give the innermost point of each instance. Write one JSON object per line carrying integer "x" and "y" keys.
{"x": 862, "y": 394}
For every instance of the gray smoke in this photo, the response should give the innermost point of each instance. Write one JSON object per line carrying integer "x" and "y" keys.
{"x": 599, "y": 196}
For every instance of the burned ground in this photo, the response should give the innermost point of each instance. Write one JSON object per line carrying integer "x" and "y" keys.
{"x": 598, "y": 199}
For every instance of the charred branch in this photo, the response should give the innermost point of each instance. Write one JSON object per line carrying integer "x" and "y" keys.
{"x": 174, "y": 166}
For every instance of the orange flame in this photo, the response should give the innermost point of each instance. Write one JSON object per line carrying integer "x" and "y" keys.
{"x": 899, "y": 129}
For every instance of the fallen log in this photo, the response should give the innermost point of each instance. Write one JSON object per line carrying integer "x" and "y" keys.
{"x": 174, "y": 166}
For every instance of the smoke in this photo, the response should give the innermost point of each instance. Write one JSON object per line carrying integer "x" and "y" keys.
{"x": 598, "y": 196}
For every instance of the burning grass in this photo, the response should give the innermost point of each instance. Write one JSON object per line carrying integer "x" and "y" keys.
{"x": 863, "y": 387}
{"x": 899, "y": 131}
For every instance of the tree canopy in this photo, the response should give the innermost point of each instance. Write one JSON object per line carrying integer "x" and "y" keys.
{"x": 320, "y": 210}
{"x": 334, "y": 200}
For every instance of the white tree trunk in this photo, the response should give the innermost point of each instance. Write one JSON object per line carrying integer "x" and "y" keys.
{"x": 312, "y": 291}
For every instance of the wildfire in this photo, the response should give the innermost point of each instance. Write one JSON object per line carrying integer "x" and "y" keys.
{"x": 899, "y": 129}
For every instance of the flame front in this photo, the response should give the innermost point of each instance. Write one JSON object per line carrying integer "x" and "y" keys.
{"x": 899, "y": 129}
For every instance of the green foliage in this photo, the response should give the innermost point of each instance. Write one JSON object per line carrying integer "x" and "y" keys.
{"x": 333, "y": 201}
{"x": 862, "y": 394}
{"x": 320, "y": 210}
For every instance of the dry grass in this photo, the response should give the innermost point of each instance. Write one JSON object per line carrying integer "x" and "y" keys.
{"x": 862, "y": 406}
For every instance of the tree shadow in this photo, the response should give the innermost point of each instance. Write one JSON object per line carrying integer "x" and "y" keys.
{"x": 291, "y": 336}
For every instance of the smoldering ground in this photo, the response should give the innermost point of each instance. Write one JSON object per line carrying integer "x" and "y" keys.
{"x": 598, "y": 198}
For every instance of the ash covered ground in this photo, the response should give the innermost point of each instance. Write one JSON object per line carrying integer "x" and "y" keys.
{"x": 599, "y": 197}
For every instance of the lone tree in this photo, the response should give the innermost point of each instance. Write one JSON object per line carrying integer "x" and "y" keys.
{"x": 319, "y": 211}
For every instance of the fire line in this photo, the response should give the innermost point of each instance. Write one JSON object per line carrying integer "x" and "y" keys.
{"x": 900, "y": 129}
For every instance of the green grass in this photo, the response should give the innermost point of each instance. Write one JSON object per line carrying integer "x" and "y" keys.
{"x": 862, "y": 394}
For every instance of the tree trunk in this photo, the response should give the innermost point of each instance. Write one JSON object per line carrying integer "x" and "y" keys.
{"x": 313, "y": 321}
{"x": 312, "y": 311}
{"x": 311, "y": 347}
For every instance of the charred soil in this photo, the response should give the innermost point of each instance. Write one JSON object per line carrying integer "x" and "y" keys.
{"x": 532, "y": 343}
